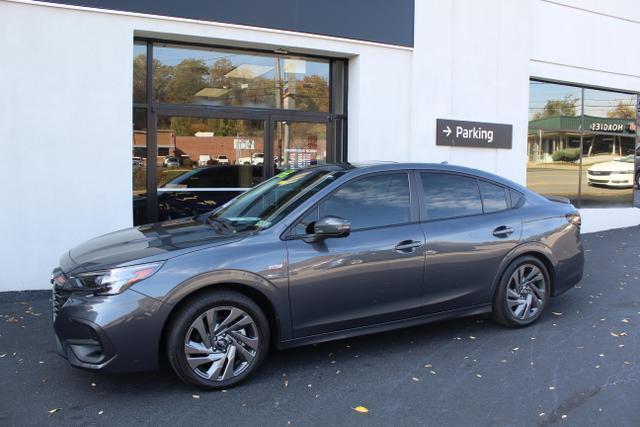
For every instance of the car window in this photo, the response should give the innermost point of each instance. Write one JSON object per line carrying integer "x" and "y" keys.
{"x": 449, "y": 196}
{"x": 494, "y": 197}
{"x": 373, "y": 201}
{"x": 516, "y": 198}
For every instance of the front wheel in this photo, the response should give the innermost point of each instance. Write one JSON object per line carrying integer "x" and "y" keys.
{"x": 218, "y": 340}
{"x": 522, "y": 294}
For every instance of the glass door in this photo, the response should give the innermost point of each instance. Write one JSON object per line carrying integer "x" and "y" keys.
{"x": 204, "y": 162}
{"x": 299, "y": 144}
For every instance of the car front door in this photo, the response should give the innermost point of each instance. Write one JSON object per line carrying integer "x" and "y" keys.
{"x": 374, "y": 274}
{"x": 469, "y": 229}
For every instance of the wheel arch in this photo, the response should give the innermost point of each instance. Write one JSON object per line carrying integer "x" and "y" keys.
{"x": 260, "y": 290}
{"x": 535, "y": 249}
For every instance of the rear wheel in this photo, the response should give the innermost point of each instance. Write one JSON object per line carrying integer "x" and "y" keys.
{"x": 522, "y": 294}
{"x": 218, "y": 340}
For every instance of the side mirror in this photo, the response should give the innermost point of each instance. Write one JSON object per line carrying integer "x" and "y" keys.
{"x": 329, "y": 226}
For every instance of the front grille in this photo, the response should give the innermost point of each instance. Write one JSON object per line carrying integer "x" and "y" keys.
{"x": 600, "y": 173}
{"x": 599, "y": 181}
{"x": 59, "y": 297}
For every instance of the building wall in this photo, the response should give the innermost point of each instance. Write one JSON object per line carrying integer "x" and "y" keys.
{"x": 66, "y": 85}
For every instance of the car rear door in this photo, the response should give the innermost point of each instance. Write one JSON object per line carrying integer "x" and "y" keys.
{"x": 373, "y": 275}
{"x": 469, "y": 228}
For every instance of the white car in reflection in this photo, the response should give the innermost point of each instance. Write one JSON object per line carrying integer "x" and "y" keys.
{"x": 618, "y": 173}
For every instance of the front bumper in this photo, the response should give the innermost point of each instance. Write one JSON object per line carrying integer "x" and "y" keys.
{"x": 119, "y": 333}
{"x": 611, "y": 180}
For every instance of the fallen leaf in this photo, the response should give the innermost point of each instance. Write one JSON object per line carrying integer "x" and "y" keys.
{"x": 552, "y": 388}
{"x": 515, "y": 349}
{"x": 478, "y": 375}
{"x": 195, "y": 396}
{"x": 361, "y": 409}
{"x": 627, "y": 363}
{"x": 472, "y": 337}
{"x": 613, "y": 334}
{"x": 625, "y": 320}
{"x": 428, "y": 365}
{"x": 101, "y": 412}
{"x": 54, "y": 410}
{"x": 415, "y": 379}
{"x": 557, "y": 313}
{"x": 432, "y": 372}
{"x": 563, "y": 416}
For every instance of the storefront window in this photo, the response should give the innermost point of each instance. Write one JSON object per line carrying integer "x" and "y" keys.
{"x": 209, "y": 123}
{"x": 241, "y": 79}
{"x": 582, "y": 144}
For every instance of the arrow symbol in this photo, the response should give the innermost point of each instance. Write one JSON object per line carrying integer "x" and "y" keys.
{"x": 447, "y": 131}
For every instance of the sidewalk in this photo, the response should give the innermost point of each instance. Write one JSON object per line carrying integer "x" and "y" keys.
{"x": 579, "y": 365}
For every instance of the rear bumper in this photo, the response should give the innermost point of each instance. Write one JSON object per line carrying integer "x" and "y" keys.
{"x": 570, "y": 269}
{"x": 118, "y": 333}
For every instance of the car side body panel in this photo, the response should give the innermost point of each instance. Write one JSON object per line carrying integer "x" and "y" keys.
{"x": 131, "y": 324}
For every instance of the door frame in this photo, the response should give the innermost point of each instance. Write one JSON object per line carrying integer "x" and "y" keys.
{"x": 267, "y": 116}
{"x": 336, "y": 117}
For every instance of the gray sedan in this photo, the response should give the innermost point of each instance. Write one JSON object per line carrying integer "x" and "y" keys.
{"x": 312, "y": 255}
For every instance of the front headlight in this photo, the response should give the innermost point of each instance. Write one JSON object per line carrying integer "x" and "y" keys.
{"x": 117, "y": 280}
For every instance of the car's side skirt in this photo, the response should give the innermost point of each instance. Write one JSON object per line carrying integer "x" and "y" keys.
{"x": 387, "y": 326}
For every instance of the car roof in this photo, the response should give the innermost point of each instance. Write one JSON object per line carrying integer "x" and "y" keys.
{"x": 356, "y": 169}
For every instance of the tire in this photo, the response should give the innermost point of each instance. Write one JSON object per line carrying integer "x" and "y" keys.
{"x": 638, "y": 180}
{"x": 511, "y": 304}
{"x": 208, "y": 363}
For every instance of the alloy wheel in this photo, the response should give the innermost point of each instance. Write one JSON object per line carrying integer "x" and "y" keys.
{"x": 221, "y": 343}
{"x": 526, "y": 292}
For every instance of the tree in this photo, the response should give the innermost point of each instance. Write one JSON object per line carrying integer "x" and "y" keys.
{"x": 622, "y": 111}
{"x": 140, "y": 78}
{"x": 188, "y": 79}
{"x": 312, "y": 94}
{"x": 558, "y": 107}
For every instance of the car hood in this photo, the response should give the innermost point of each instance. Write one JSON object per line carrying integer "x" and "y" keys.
{"x": 146, "y": 243}
{"x": 612, "y": 166}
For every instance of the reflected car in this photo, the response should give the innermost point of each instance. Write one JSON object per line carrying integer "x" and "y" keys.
{"x": 321, "y": 253}
{"x": 620, "y": 173}
{"x": 222, "y": 160}
{"x": 255, "y": 159}
{"x": 199, "y": 190}
{"x": 172, "y": 162}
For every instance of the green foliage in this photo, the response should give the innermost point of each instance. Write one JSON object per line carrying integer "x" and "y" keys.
{"x": 566, "y": 155}
{"x": 558, "y": 107}
{"x": 622, "y": 111}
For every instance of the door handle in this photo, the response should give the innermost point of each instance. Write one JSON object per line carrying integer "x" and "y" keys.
{"x": 502, "y": 231}
{"x": 408, "y": 245}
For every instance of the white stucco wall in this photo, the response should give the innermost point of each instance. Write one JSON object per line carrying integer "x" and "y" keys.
{"x": 66, "y": 84}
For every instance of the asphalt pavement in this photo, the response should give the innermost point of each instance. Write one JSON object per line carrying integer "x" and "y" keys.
{"x": 578, "y": 365}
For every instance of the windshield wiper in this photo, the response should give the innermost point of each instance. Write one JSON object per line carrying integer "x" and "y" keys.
{"x": 221, "y": 224}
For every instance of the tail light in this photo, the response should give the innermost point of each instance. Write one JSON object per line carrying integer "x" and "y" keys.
{"x": 574, "y": 218}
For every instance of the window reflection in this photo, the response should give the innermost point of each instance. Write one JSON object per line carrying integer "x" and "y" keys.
{"x": 450, "y": 196}
{"x": 583, "y": 155}
{"x": 139, "y": 164}
{"x": 298, "y": 145}
{"x": 236, "y": 78}
{"x": 139, "y": 72}
{"x": 371, "y": 202}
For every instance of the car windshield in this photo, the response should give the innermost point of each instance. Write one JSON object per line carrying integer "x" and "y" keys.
{"x": 626, "y": 159}
{"x": 267, "y": 203}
